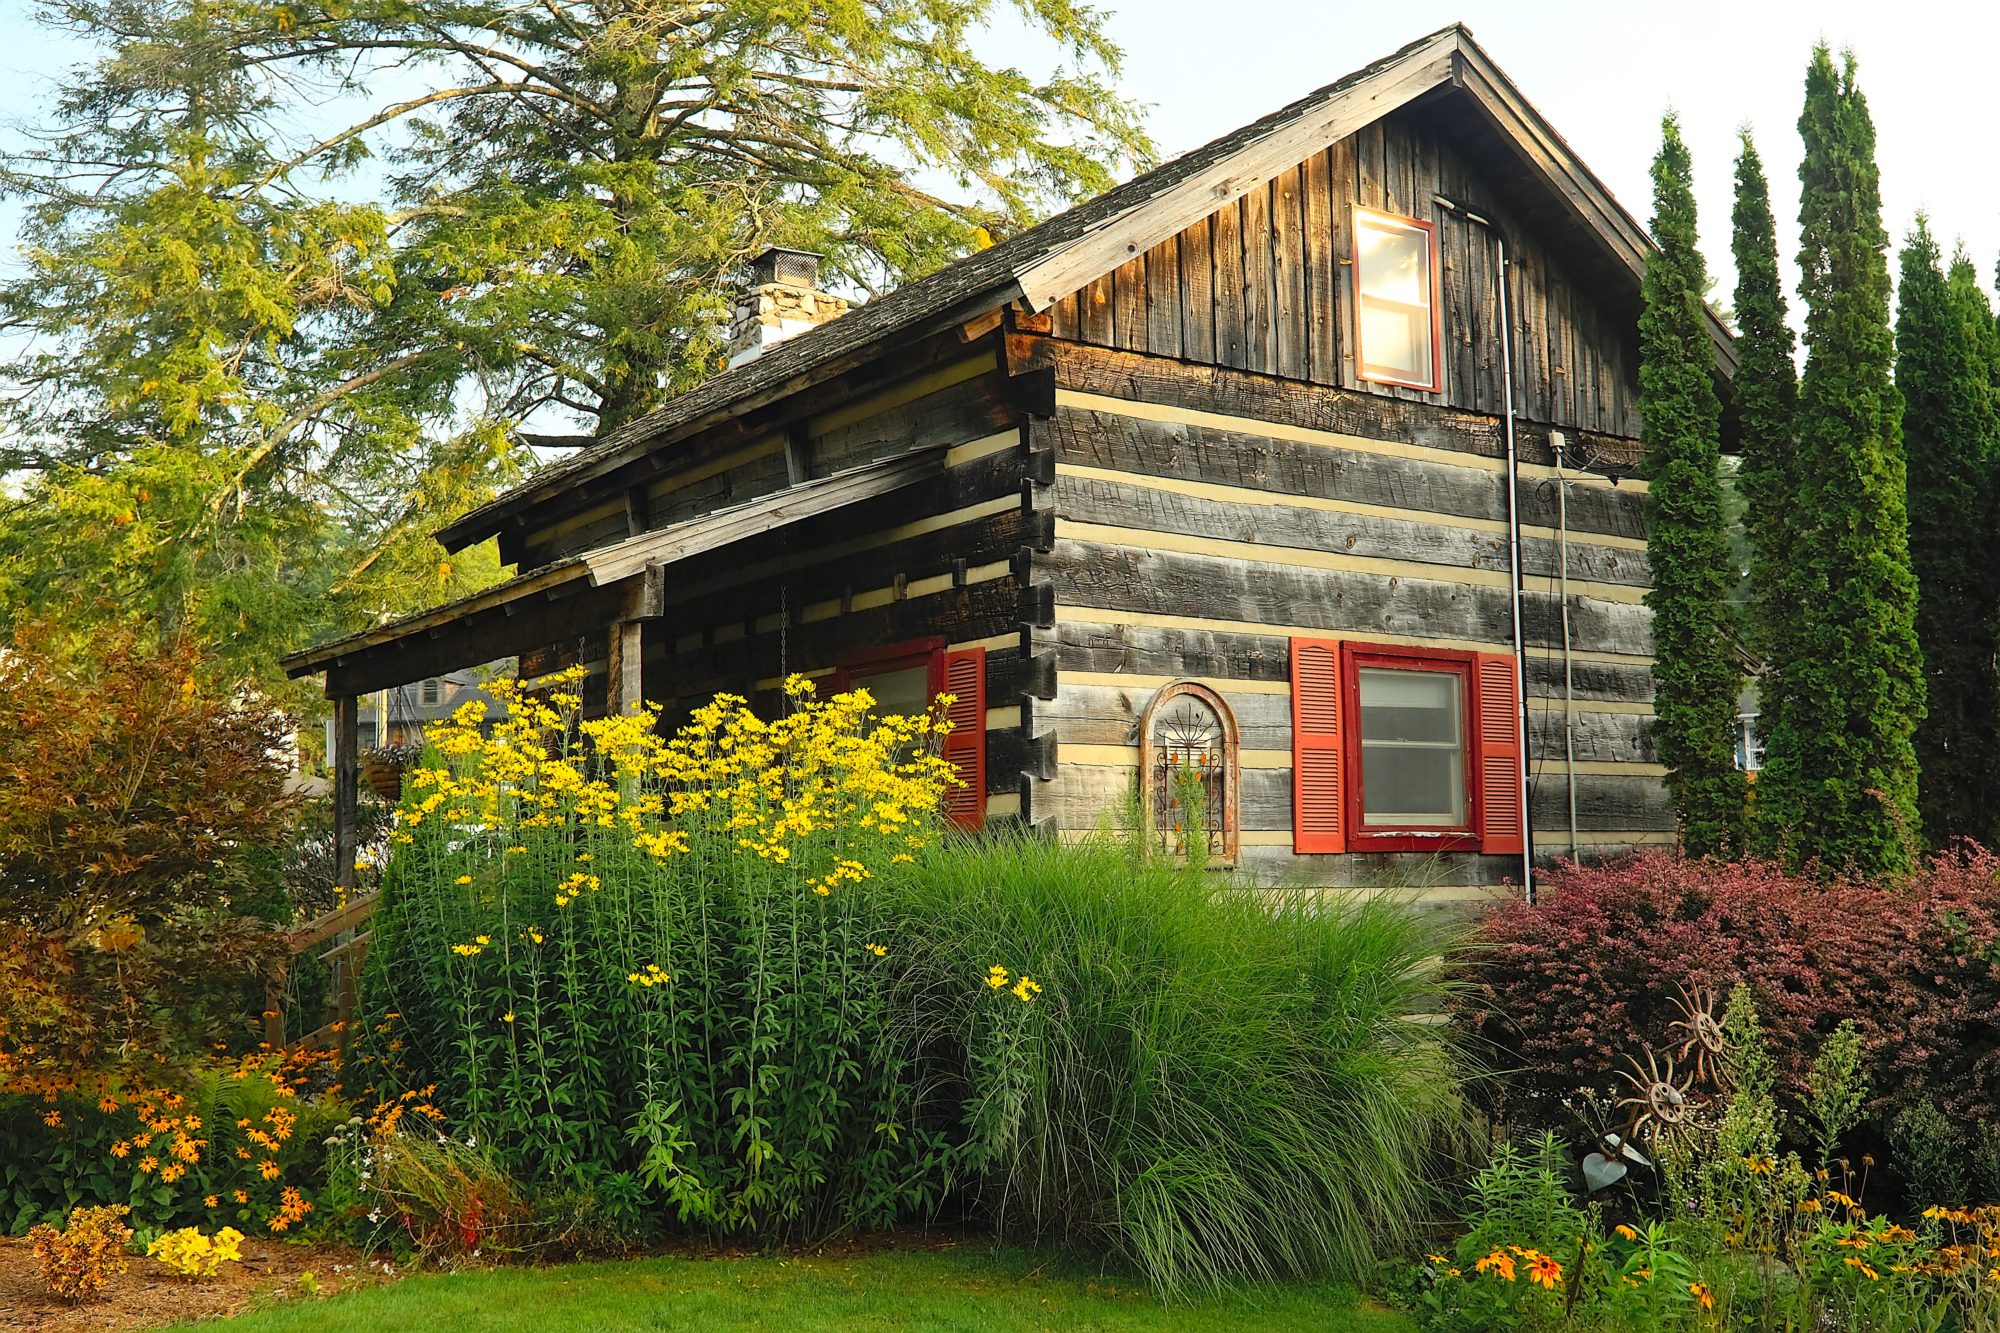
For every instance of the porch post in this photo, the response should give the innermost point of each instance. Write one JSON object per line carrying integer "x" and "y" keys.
{"x": 622, "y": 689}
{"x": 346, "y": 785}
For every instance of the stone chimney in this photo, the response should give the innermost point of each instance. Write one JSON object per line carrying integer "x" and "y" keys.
{"x": 782, "y": 300}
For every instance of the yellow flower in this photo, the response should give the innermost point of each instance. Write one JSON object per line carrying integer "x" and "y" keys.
{"x": 1026, "y": 990}
{"x": 464, "y": 879}
{"x": 996, "y": 976}
{"x": 507, "y": 1017}
{"x": 878, "y": 950}
{"x": 1627, "y": 1232}
{"x": 1702, "y": 1295}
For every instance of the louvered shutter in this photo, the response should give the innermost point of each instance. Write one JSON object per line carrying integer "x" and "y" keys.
{"x": 965, "y": 745}
{"x": 1319, "y": 787}
{"x": 1499, "y": 743}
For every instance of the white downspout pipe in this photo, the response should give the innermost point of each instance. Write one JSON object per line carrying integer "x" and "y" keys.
{"x": 1513, "y": 543}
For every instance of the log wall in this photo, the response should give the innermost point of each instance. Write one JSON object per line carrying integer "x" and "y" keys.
{"x": 1201, "y": 517}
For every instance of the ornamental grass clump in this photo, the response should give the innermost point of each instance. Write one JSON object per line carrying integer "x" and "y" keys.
{"x": 657, "y": 969}
{"x": 1213, "y": 1083}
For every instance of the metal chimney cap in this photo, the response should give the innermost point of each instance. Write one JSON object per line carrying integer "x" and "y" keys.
{"x": 794, "y": 268}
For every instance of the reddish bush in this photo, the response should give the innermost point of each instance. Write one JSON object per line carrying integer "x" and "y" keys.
{"x": 1562, "y": 990}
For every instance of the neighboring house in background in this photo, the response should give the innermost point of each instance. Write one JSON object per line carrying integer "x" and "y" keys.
{"x": 1214, "y": 485}
{"x": 396, "y": 716}
{"x": 1749, "y": 740}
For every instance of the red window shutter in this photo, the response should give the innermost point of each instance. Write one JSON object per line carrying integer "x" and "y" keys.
{"x": 1319, "y": 787}
{"x": 965, "y": 744}
{"x": 1499, "y": 748}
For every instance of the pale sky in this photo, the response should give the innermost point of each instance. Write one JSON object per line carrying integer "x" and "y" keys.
{"x": 1601, "y": 72}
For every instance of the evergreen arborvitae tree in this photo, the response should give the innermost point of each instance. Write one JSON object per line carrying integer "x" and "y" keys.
{"x": 1841, "y": 762}
{"x": 1696, "y": 680}
{"x": 1766, "y": 401}
{"x": 1951, "y": 436}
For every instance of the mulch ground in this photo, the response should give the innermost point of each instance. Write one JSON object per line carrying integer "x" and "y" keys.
{"x": 146, "y": 1295}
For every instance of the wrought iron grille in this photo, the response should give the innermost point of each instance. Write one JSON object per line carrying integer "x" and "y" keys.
{"x": 1190, "y": 792}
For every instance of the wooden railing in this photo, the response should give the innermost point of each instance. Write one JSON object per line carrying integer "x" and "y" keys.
{"x": 343, "y": 960}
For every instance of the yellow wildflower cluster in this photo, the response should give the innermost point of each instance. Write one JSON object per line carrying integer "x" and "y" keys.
{"x": 192, "y": 1255}
{"x": 474, "y": 949}
{"x": 652, "y": 976}
{"x": 828, "y": 767}
{"x": 1025, "y": 988}
{"x": 575, "y": 887}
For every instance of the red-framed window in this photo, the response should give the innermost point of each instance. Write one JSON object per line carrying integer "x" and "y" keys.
{"x": 1404, "y": 749}
{"x": 1398, "y": 318}
{"x": 907, "y": 678}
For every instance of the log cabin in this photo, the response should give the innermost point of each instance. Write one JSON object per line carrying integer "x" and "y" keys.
{"x": 1283, "y": 499}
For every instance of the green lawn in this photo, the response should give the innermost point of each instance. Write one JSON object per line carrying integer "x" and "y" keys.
{"x": 969, "y": 1287}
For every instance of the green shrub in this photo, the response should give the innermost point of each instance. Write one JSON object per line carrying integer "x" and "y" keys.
{"x": 1215, "y": 1083}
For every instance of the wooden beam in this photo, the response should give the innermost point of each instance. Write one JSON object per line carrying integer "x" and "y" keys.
{"x": 623, "y": 693}
{"x": 346, "y": 780}
{"x": 763, "y": 515}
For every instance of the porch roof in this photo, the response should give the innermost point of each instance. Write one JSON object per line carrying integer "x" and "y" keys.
{"x": 621, "y": 581}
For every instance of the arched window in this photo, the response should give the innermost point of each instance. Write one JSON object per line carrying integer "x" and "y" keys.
{"x": 1188, "y": 773}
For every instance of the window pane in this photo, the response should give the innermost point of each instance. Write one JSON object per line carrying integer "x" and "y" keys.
{"x": 904, "y": 691}
{"x": 1395, "y": 263}
{"x": 1412, "y": 749}
{"x": 1409, "y": 706}
{"x": 1396, "y": 343}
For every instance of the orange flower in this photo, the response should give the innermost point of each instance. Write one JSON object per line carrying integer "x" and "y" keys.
{"x": 120, "y": 1148}
{"x": 1499, "y": 1262}
{"x": 241, "y": 1197}
{"x": 268, "y": 1169}
{"x": 148, "y": 1163}
{"x": 1545, "y": 1271}
{"x": 210, "y": 1201}
{"x": 1627, "y": 1232}
{"x": 1702, "y": 1295}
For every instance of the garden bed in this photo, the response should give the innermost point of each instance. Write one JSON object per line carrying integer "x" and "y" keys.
{"x": 146, "y": 1296}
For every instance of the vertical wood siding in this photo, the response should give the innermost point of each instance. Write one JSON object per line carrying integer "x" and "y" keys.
{"x": 1265, "y": 284}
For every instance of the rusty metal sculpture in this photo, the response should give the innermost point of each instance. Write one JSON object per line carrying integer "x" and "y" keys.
{"x": 1701, "y": 1033}
{"x": 1658, "y": 1105}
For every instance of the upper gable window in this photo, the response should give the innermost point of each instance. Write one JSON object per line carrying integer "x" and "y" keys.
{"x": 1396, "y": 314}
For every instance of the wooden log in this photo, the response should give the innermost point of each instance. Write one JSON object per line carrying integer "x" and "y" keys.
{"x": 1111, "y": 715}
{"x": 1170, "y": 583}
{"x": 1085, "y": 796}
{"x": 1217, "y": 654}
{"x": 964, "y": 411}
{"x": 1222, "y": 390}
{"x": 1120, "y": 504}
{"x": 1239, "y": 458}
{"x": 1197, "y": 293}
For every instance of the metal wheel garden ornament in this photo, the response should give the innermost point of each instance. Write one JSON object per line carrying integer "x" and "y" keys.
{"x": 1701, "y": 1034}
{"x": 1659, "y": 1106}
